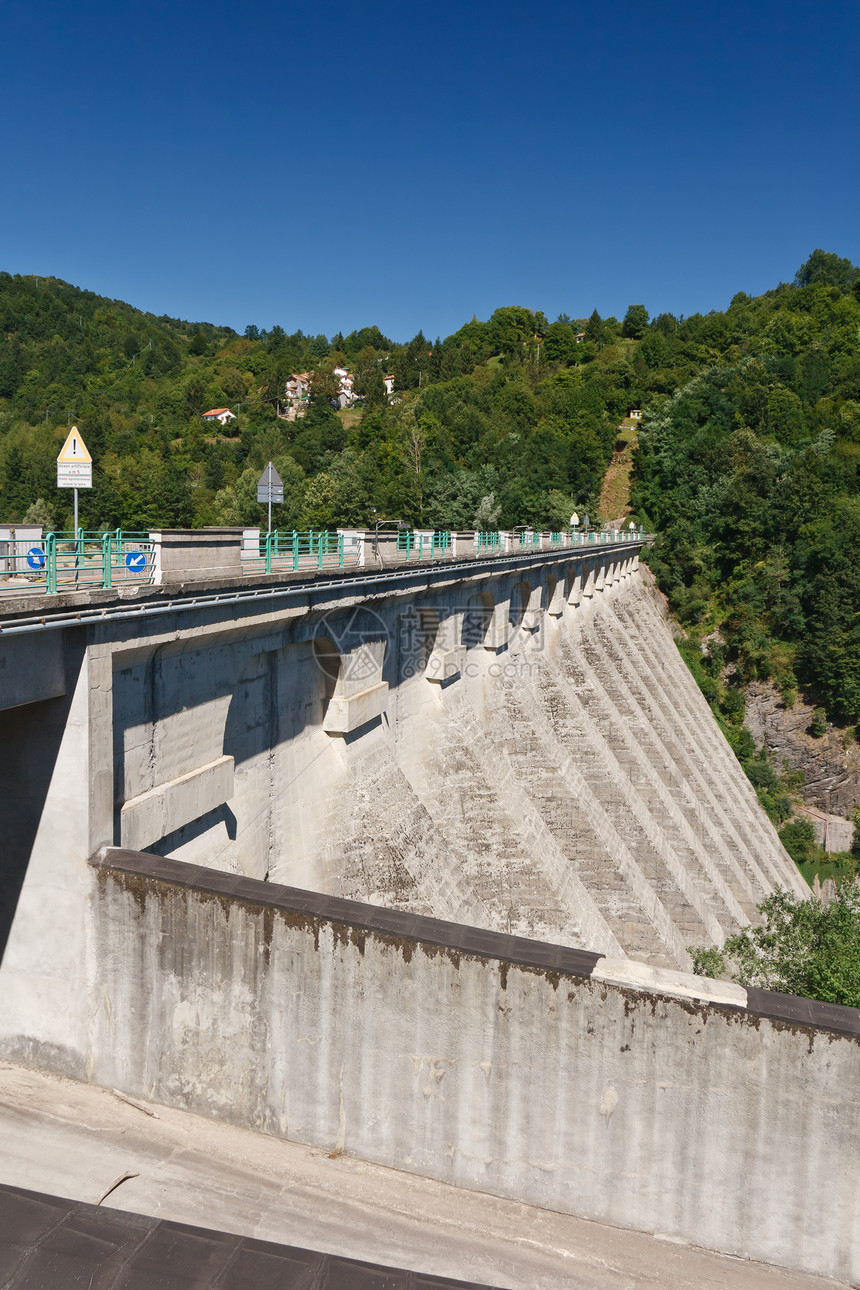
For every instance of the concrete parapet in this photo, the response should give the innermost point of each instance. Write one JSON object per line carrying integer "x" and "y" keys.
{"x": 644, "y": 1098}
{"x": 353, "y": 547}
{"x": 464, "y": 544}
{"x": 381, "y": 548}
{"x": 193, "y": 555}
{"x": 250, "y": 544}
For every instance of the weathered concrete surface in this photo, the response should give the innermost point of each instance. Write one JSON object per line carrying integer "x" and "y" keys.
{"x": 186, "y": 555}
{"x": 31, "y": 670}
{"x": 75, "y": 1139}
{"x": 563, "y": 781}
{"x": 566, "y": 782}
{"x": 619, "y": 1096}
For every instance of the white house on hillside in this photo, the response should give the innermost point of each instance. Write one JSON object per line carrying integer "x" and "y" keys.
{"x": 298, "y": 388}
{"x": 346, "y": 388}
{"x": 221, "y": 415}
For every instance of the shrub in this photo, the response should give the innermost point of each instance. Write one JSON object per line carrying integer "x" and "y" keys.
{"x": 798, "y": 838}
{"x": 802, "y": 947}
{"x": 818, "y": 725}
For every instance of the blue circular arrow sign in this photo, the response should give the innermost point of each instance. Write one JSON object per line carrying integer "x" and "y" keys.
{"x": 135, "y": 561}
{"x": 36, "y": 557}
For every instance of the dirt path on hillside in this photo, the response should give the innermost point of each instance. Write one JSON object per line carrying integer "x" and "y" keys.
{"x": 615, "y": 494}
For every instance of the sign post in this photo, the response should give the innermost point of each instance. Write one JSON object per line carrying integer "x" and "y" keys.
{"x": 75, "y": 470}
{"x": 270, "y": 490}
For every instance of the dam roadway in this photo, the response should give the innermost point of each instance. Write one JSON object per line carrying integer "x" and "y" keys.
{"x": 509, "y": 748}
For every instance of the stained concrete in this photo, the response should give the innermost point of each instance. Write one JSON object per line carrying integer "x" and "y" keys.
{"x": 612, "y": 1090}
{"x": 75, "y": 1140}
{"x": 563, "y": 780}
{"x": 556, "y": 775}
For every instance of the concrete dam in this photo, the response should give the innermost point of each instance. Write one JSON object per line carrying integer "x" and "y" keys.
{"x": 407, "y": 865}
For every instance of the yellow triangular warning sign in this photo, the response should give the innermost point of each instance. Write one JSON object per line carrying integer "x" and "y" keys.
{"x": 74, "y": 449}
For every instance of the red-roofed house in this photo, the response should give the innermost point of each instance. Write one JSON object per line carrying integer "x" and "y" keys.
{"x": 221, "y": 415}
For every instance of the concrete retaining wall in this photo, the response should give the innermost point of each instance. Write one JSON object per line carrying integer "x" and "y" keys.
{"x": 604, "y": 1088}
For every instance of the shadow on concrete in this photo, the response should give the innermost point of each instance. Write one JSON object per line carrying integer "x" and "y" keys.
{"x": 179, "y": 837}
{"x": 30, "y": 738}
{"x": 477, "y": 619}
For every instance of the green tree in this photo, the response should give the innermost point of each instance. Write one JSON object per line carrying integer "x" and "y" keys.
{"x": 487, "y": 514}
{"x": 594, "y": 328}
{"x": 373, "y": 387}
{"x": 635, "y": 322}
{"x": 829, "y": 269}
{"x": 798, "y": 838}
{"x": 801, "y": 947}
{"x": 40, "y": 513}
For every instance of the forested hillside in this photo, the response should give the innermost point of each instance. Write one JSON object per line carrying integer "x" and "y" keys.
{"x": 750, "y": 473}
{"x": 747, "y": 460}
{"x": 512, "y": 408}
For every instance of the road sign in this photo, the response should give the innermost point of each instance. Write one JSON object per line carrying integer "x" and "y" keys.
{"x": 74, "y": 450}
{"x": 72, "y": 476}
{"x": 74, "y": 464}
{"x": 270, "y": 490}
{"x": 36, "y": 557}
{"x": 270, "y": 487}
{"x": 135, "y": 561}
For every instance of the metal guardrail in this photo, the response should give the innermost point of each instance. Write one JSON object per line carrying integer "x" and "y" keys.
{"x": 488, "y": 543}
{"x": 68, "y": 561}
{"x": 289, "y": 551}
{"x": 423, "y": 544}
{"x": 346, "y": 580}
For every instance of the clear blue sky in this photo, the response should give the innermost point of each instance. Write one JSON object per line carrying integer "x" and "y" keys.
{"x": 326, "y": 166}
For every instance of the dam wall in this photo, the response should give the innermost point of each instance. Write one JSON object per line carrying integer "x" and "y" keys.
{"x": 516, "y": 746}
{"x": 407, "y": 864}
{"x": 591, "y": 1085}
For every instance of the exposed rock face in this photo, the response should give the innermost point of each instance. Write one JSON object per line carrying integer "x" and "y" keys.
{"x": 832, "y": 769}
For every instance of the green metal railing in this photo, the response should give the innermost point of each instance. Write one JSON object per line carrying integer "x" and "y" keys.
{"x": 289, "y": 550}
{"x": 86, "y": 560}
{"x": 423, "y": 545}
